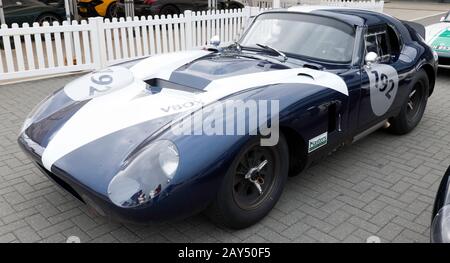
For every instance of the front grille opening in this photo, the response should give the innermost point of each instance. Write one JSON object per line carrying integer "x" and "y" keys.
{"x": 62, "y": 183}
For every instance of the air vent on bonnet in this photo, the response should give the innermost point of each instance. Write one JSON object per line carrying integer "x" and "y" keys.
{"x": 305, "y": 75}
{"x": 156, "y": 85}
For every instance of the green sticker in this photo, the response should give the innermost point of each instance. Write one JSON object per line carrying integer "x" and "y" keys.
{"x": 317, "y": 142}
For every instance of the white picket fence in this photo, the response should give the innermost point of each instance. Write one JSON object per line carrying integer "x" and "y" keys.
{"x": 374, "y": 5}
{"x": 31, "y": 51}
{"x": 94, "y": 44}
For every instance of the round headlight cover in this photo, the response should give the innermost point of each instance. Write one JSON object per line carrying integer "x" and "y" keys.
{"x": 145, "y": 175}
{"x": 440, "y": 228}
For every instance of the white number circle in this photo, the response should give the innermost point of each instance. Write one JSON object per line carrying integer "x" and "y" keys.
{"x": 383, "y": 87}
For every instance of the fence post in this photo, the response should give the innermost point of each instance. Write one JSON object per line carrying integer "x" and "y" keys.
{"x": 98, "y": 42}
{"x": 276, "y": 4}
{"x": 188, "y": 21}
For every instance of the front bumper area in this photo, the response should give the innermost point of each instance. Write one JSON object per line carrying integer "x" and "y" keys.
{"x": 170, "y": 207}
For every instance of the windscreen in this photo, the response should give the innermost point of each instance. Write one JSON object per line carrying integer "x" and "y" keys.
{"x": 306, "y": 35}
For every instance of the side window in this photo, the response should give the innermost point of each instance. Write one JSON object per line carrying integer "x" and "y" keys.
{"x": 394, "y": 41}
{"x": 378, "y": 41}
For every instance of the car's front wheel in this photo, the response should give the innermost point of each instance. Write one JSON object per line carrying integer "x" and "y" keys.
{"x": 252, "y": 186}
{"x": 414, "y": 107}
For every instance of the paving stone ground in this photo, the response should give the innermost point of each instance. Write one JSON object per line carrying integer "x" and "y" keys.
{"x": 383, "y": 185}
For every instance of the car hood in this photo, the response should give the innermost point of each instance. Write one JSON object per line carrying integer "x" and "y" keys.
{"x": 432, "y": 31}
{"x": 441, "y": 41}
{"x": 152, "y": 93}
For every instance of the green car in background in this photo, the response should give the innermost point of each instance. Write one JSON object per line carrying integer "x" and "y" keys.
{"x": 438, "y": 37}
{"x": 30, "y": 11}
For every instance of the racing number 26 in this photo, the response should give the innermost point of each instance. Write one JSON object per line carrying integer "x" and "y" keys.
{"x": 384, "y": 84}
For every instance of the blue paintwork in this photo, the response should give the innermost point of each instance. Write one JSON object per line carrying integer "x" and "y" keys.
{"x": 443, "y": 194}
{"x": 205, "y": 159}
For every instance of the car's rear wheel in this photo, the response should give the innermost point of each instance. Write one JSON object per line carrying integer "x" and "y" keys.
{"x": 252, "y": 186}
{"x": 412, "y": 111}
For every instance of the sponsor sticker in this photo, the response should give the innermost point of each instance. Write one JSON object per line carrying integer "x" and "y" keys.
{"x": 317, "y": 142}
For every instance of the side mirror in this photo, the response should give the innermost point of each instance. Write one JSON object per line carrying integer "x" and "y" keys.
{"x": 442, "y": 19}
{"x": 215, "y": 41}
{"x": 371, "y": 58}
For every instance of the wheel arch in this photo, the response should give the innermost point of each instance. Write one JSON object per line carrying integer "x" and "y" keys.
{"x": 297, "y": 150}
{"x": 431, "y": 75}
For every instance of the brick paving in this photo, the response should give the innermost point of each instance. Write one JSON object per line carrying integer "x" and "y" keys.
{"x": 383, "y": 185}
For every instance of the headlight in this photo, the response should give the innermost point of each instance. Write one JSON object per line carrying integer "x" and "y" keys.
{"x": 145, "y": 175}
{"x": 440, "y": 228}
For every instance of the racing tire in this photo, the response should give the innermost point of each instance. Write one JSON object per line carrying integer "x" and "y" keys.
{"x": 169, "y": 10}
{"x": 239, "y": 203}
{"x": 413, "y": 109}
{"x": 111, "y": 12}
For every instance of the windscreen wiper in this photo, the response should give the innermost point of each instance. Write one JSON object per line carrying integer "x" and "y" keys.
{"x": 274, "y": 50}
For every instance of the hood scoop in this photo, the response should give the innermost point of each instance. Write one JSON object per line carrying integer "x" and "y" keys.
{"x": 156, "y": 85}
{"x": 301, "y": 74}
{"x": 200, "y": 73}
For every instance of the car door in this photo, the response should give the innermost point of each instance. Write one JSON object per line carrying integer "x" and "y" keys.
{"x": 380, "y": 80}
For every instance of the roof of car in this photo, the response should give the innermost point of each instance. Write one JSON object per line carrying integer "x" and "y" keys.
{"x": 357, "y": 17}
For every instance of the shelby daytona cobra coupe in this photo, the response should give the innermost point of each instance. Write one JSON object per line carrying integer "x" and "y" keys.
{"x": 335, "y": 75}
{"x": 438, "y": 37}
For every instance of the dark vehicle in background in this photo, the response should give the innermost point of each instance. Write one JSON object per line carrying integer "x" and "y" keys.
{"x": 30, "y": 11}
{"x": 171, "y": 7}
{"x": 440, "y": 226}
{"x": 90, "y": 8}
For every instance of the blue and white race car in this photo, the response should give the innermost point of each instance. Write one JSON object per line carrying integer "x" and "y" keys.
{"x": 125, "y": 140}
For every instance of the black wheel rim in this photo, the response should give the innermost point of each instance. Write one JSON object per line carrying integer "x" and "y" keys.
{"x": 415, "y": 102}
{"x": 245, "y": 192}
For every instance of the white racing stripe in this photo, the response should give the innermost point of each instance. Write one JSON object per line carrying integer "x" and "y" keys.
{"x": 123, "y": 108}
